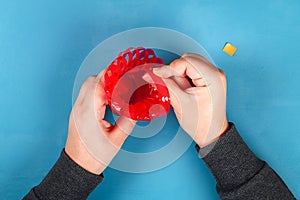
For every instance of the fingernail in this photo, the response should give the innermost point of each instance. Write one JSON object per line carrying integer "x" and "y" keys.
{"x": 148, "y": 78}
{"x": 159, "y": 71}
{"x": 156, "y": 71}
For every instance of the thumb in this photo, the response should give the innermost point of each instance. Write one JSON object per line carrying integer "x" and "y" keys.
{"x": 122, "y": 130}
{"x": 176, "y": 93}
{"x": 164, "y": 72}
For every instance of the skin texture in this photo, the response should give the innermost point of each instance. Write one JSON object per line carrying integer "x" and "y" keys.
{"x": 198, "y": 96}
{"x": 88, "y": 110}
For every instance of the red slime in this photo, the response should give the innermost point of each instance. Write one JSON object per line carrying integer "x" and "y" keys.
{"x": 128, "y": 93}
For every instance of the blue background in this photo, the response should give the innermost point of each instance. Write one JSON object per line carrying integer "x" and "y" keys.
{"x": 42, "y": 44}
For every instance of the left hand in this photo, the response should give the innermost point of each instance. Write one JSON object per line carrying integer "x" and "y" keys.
{"x": 93, "y": 142}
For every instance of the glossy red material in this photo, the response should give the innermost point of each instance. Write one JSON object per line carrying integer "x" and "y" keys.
{"x": 131, "y": 87}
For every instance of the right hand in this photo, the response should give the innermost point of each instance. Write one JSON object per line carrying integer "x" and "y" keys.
{"x": 198, "y": 96}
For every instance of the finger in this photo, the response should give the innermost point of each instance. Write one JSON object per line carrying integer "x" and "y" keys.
{"x": 100, "y": 99}
{"x": 223, "y": 78}
{"x": 106, "y": 125}
{"x": 186, "y": 82}
{"x": 189, "y": 54}
{"x": 124, "y": 125}
{"x": 100, "y": 76}
{"x": 173, "y": 87}
{"x": 184, "y": 68}
{"x": 176, "y": 93}
{"x": 180, "y": 68}
{"x": 195, "y": 56}
{"x": 148, "y": 78}
{"x": 122, "y": 129}
{"x": 198, "y": 69}
{"x": 84, "y": 89}
{"x": 200, "y": 82}
{"x": 182, "y": 82}
{"x": 164, "y": 71}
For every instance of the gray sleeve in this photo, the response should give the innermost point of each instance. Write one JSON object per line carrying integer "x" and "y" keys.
{"x": 239, "y": 173}
{"x": 66, "y": 180}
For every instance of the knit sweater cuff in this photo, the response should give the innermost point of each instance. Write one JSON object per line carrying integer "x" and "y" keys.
{"x": 230, "y": 160}
{"x": 67, "y": 180}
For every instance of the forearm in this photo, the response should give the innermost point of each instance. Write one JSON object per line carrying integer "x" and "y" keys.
{"x": 66, "y": 180}
{"x": 239, "y": 173}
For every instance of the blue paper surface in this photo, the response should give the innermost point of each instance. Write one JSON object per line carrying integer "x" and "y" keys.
{"x": 43, "y": 43}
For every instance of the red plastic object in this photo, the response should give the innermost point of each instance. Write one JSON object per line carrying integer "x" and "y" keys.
{"x": 127, "y": 92}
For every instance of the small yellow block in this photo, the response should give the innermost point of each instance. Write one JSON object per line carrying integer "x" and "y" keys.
{"x": 229, "y": 49}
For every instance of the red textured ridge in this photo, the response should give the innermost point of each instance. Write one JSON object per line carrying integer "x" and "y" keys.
{"x": 127, "y": 92}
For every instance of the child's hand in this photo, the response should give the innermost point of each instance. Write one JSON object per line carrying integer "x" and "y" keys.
{"x": 93, "y": 142}
{"x": 198, "y": 96}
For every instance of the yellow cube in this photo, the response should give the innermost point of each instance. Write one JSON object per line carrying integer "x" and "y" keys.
{"x": 229, "y": 49}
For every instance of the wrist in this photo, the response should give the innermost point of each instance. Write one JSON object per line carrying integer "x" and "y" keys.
{"x": 78, "y": 153}
{"x": 209, "y": 140}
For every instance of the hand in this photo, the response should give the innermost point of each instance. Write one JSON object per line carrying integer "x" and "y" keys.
{"x": 198, "y": 96}
{"x": 93, "y": 142}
